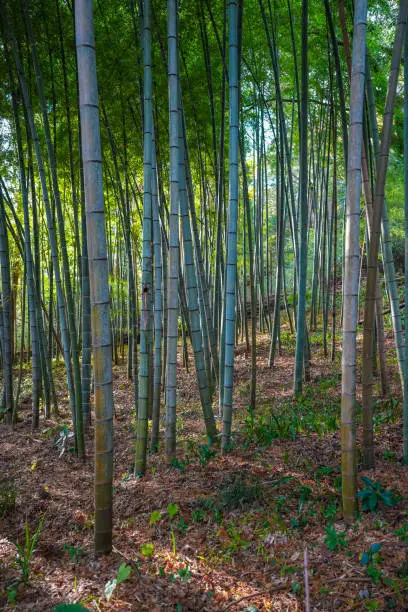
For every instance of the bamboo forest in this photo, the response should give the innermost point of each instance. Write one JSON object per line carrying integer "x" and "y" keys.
{"x": 203, "y": 305}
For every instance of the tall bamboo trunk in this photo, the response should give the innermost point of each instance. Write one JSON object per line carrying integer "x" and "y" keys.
{"x": 192, "y": 293}
{"x": 98, "y": 268}
{"x": 372, "y": 260}
{"x": 352, "y": 256}
{"x": 147, "y": 263}
{"x": 70, "y": 310}
{"x": 248, "y": 224}
{"x": 303, "y": 186}
{"x": 158, "y": 306}
{"x": 369, "y": 204}
{"x": 231, "y": 270}
{"x": 173, "y": 276}
{"x": 7, "y": 318}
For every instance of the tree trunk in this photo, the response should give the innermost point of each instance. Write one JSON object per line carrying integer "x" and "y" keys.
{"x": 231, "y": 271}
{"x": 174, "y": 248}
{"x": 352, "y": 255}
{"x": 372, "y": 260}
{"x": 303, "y": 186}
{"x": 98, "y": 268}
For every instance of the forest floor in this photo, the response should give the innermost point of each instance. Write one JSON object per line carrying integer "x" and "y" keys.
{"x": 243, "y": 520}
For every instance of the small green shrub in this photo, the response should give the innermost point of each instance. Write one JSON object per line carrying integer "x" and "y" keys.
{"x": 7, "y": 497}
{"x": 205, "y": 505}
{"x": 374, "y": 493}
{"x": 313, "y": 413}
{"x": 184, "y": 573}
{"x": 182, "y": 526}
{"x": 205, "y": 453}
{"x": 147, "y": 549}
{"x": 371, "y": 560}
{"x": 236, "y": 539}
{"x": 239, "y": 494}
{"x": 403, "y": 569}
{"x": 156, "y": 516}
{"x": 198, "y": 516}
{"x": 172, "y": 510}
{"x": 26, "y": 552}
{"x": 335, "y": 540}
{"x": 402, "y": 533}
{"x": 75, "y": 552}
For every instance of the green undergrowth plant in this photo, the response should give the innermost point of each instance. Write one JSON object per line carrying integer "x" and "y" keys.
{"x": 205, "y": 454}
{"x": 280, "y": 503}
{"x": 386, "y": 412}
{"x": 371, "y": 560}
{"x": 199, "y": 515}
{"x": 184, "y": 573}
{"x": 147, "y": 550}
{"x": 12, "y": 594}
{"x": 26, "y": 551}
{"x": 306, "y": 509}
{"x": 288, "y": 339}
{"x": 402, "y": 533}
{"x": 375, "y": 494}
{"x": 172, "y": 510}
{"x": 182, "y": 525}
{"x": 389, "y": 456}
{"x": 112, "y": 584}
{"x": 7, "y": 497}
{"x": 156, "y": 516}
{"x": 74, "y": 552}
{"x": 180, "y": 464}
{"x": 53, "y": 431}
{"x": 238, "y": 494}
{"x": 323, "y": 472}
{"x": 403, "y": 569}
{"x": 235, "y": 493}
{"x": 262, "y": 429}
{"x": 207, "y": 508}
{"x": 330, "y": 509}
{"x": 234, "y": 539}
{"x": 330, "y": 383}
{"x": 316, "y": 413}
{"x": 335, "y": 540}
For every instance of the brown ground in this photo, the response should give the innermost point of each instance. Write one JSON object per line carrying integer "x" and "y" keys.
{"x": 240, "y": 534}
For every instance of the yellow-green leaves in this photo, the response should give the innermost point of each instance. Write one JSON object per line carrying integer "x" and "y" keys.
{"x": 172, "y": 510}
{"x": 155, "y": 517}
